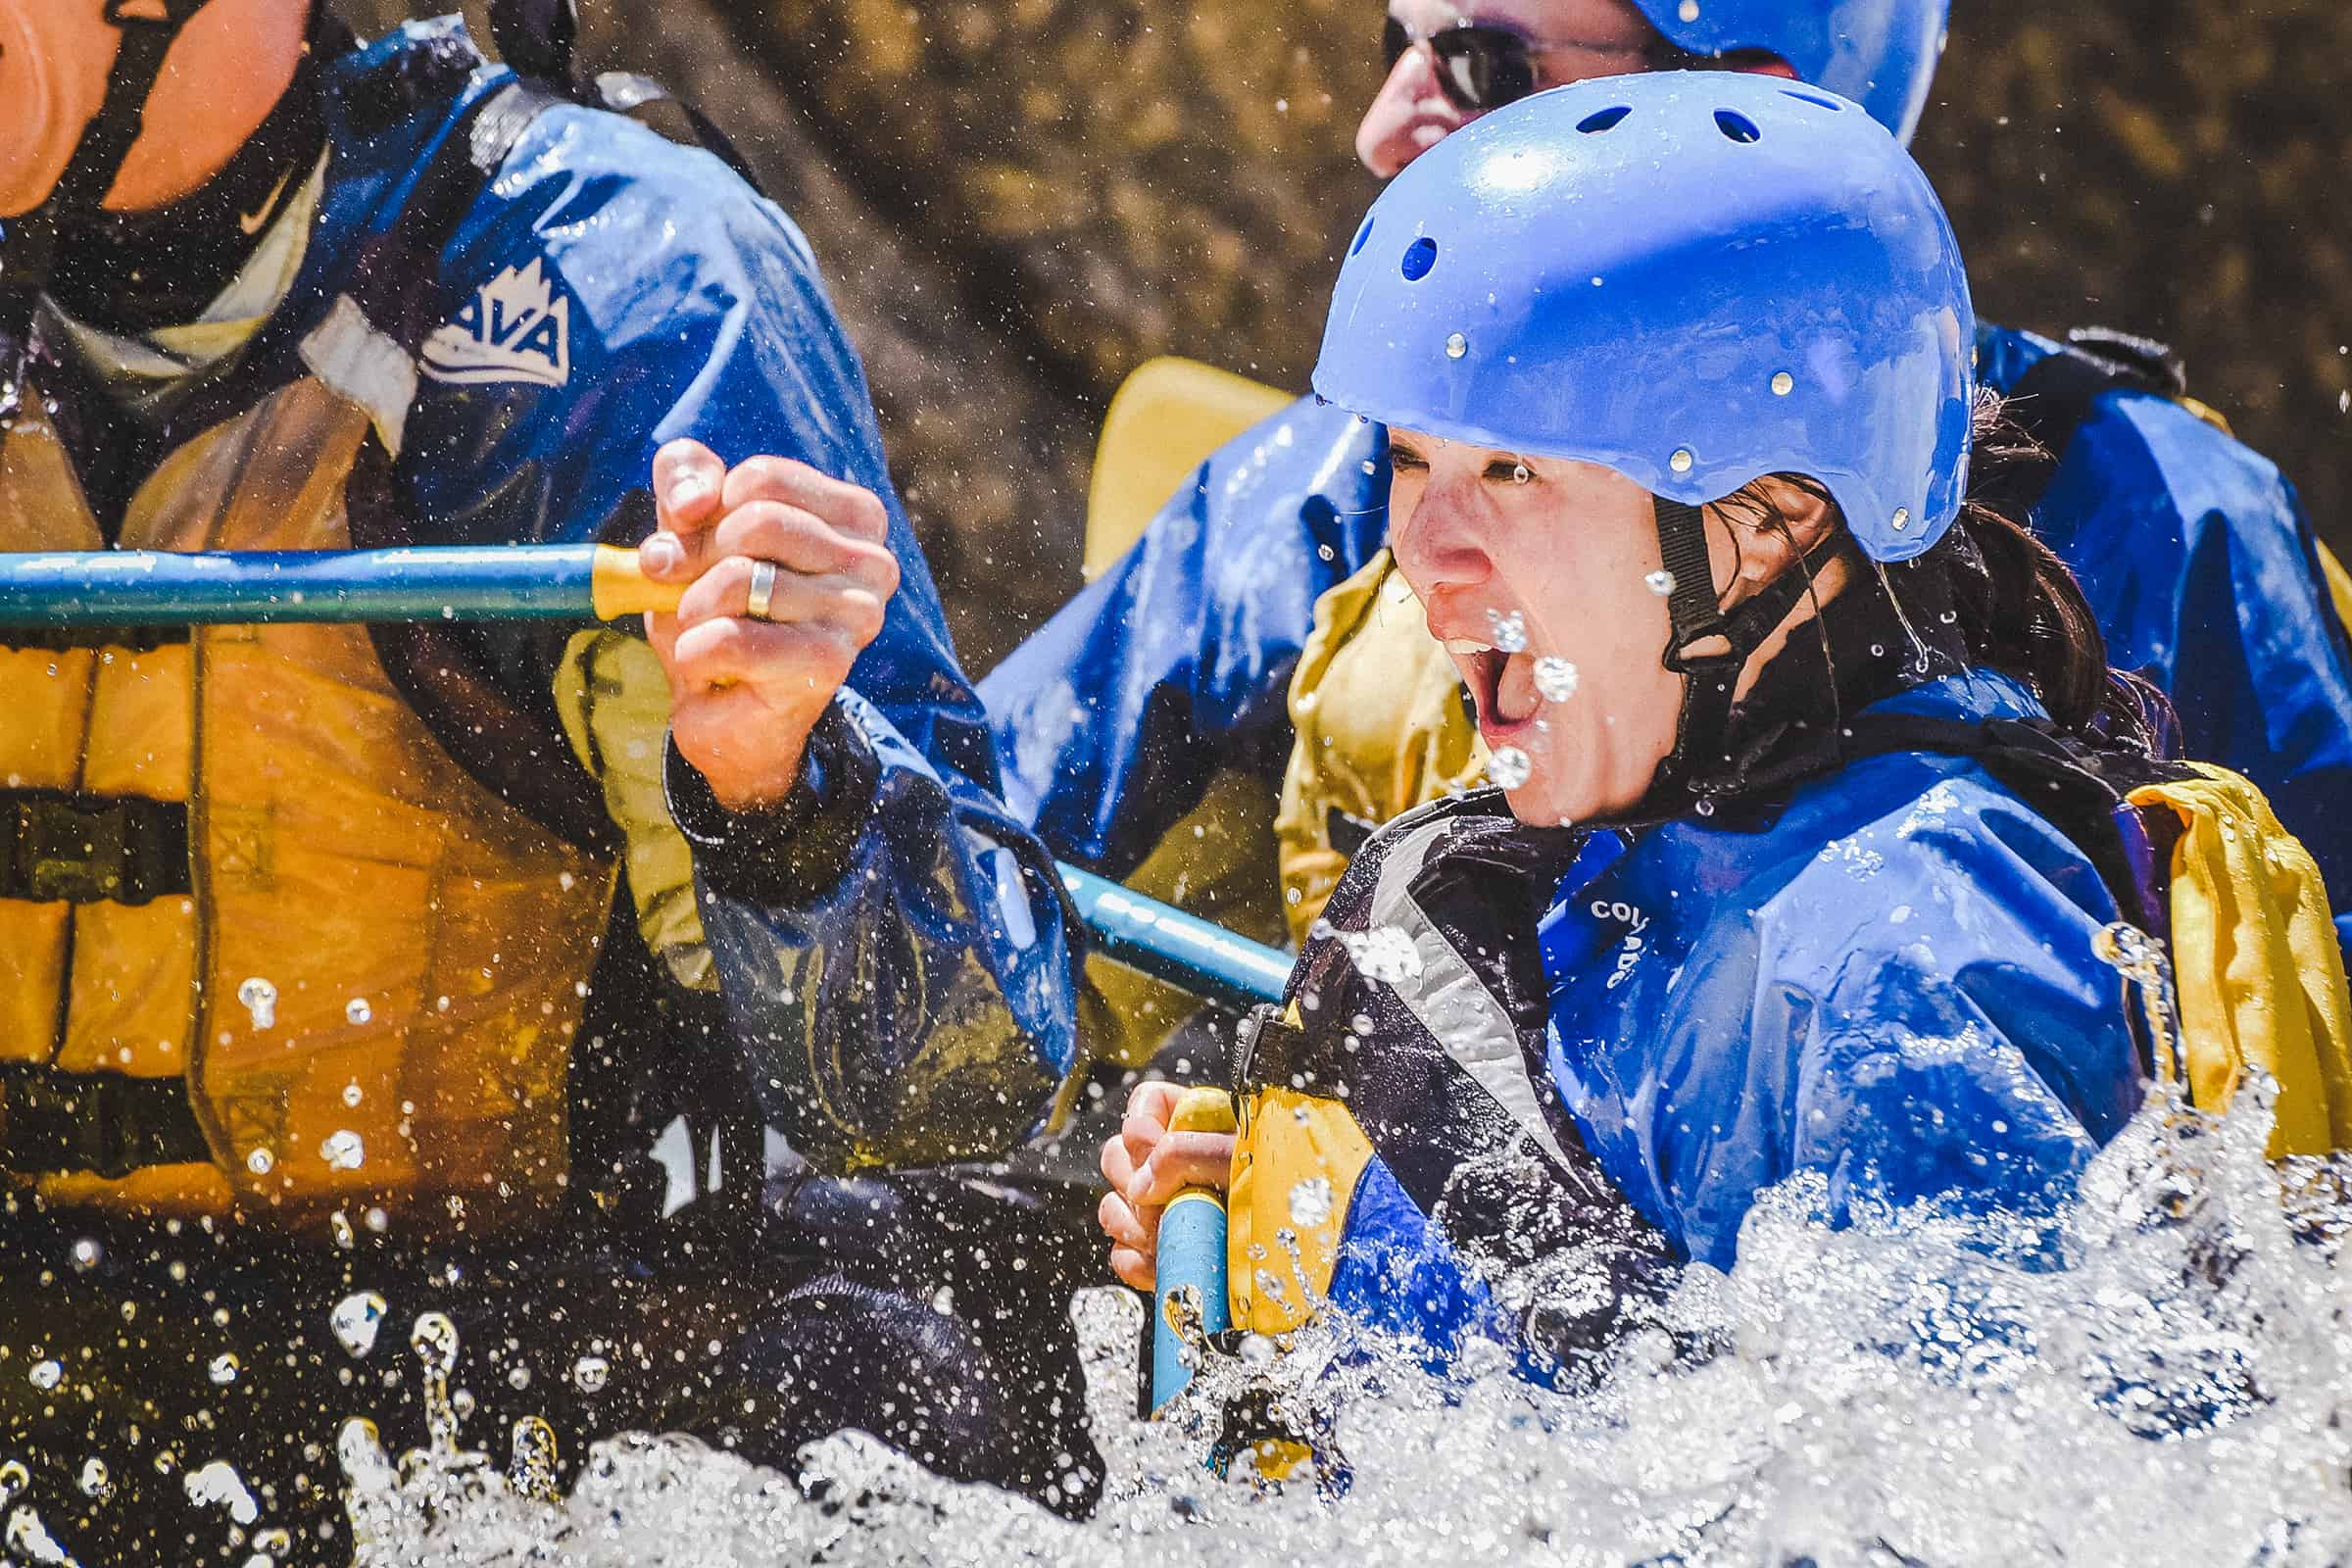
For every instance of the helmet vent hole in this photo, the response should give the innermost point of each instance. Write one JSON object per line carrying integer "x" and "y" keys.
{"x": 1737, "y": 126}
{"x": 1362, "y": 234}
{"x": 1603, "y": 120}
{"x": 1419, "y": 256}
{"x": 1815, "y": 99}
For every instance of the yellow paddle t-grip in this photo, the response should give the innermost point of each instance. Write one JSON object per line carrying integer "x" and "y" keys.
{"x": 1187, "y": 1297}
{"x": 618, "y": 587}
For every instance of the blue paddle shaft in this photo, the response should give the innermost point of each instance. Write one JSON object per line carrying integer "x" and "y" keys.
{"x": 156, "y": 587}
{"x": 1181, "y": 949}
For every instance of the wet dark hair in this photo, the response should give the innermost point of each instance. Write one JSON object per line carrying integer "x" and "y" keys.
{"x": 2015, "y": 607}
{"x": 2021, "y": 609}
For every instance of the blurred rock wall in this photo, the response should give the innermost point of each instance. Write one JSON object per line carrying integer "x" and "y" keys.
{"x": 1020, "y": 200}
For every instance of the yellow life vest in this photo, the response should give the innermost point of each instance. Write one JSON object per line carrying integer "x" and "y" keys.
{"x": 2257, "y": 966}
{"x": 1377, "y": 707}
{"x": 372, "y": 985}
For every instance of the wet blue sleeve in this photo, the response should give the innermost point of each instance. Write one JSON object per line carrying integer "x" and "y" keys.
{"x": 2204, "y": 573}
{"x": 1113, "y": 716}
{"x": 612, "y": 291}
{"x": 1397, "y": 1275}
{"x": 890, "y": 949}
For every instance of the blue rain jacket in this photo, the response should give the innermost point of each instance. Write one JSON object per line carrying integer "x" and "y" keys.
{"x": 2193, "y": 550}
{"x": 890, "y": 944}
{"x": 1890, "y": 982}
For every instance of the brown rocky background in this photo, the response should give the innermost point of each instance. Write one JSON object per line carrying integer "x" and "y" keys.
{"x": 1018, "y": 201}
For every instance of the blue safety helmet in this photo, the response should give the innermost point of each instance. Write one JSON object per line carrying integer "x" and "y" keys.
{"x": 1696, "y": 278}
{"x": 1880, "y": 53}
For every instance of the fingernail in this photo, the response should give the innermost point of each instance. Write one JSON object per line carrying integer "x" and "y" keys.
{"x": 687, "y": 491}
{"x": 660, "y": 554}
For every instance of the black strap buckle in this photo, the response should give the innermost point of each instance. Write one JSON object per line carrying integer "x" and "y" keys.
{"x": 53, "y": 1121}
{"x": 91, "y": 849}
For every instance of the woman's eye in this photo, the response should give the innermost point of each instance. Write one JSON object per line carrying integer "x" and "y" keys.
{"x": 1403, "y": 461}
{"x": 1511, "y": 473}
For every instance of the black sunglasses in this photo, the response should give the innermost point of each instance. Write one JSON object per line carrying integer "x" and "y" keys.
{"x": 1483, "y": 66}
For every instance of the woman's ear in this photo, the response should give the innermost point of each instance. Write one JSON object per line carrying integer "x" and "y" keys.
{"x": 1774, "y": 524}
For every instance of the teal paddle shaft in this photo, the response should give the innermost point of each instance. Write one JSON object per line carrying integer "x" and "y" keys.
{"x": 1188, "y": 1303}
{"x": 94, "y": 589}
{"x": 77, "y": 589}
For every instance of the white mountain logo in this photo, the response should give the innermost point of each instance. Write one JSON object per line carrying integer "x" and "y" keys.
{"x": 516, "y": 328}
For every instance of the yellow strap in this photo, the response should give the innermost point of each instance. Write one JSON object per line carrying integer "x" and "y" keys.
{"x": 2339, "y": 584}
{"x": 2256, "y": 962}
{"x": 1166, "y": 420}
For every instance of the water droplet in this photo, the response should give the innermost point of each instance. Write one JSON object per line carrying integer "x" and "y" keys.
{"x": 519, "y": 1377}
{"x": 532, "y": 1470}
{"x": 356, "y": 1011}
{"x": 1521, "y": 473}
{"x": 588, "y": 1373}
{"x": 1509, "y": 631}
{"x": 1688, "y": 11}
{"x": 1659, "y": 582}
{"x": 1311, "y": 1202}
{"x": 1256, "y": 1349}
{"x": 224, "y": 1369}
{"x": 1902, "y": 519}
{"x": 338, "y": 1225}
{"x": 1680, "y": 462}
{"x": 1555, "y": 678}
{"x": 1511, "y": 768}
{"x": 434, "y": 1339}
{"x": 1385, "y": 954}
{"x": 219, "y": 1486}
{"x": 356, "y": 1319}
{"x": 96, "y": 1479}
{"x": 259, "y": 999}
{"x": 86, "y": 1254}
{"x": 1782, "y": 384}
{"x": 1457, "y": 346}
{"x": 1704, "y": 807}
{"x": 360, "y": 1452}
{"x": 46, "y": 1375}
{"x": 261, "y": 1162}
{"x": 343, "y": 1151}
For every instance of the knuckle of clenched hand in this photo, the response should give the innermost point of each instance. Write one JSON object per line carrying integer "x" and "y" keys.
{"x": 870, "y": 514}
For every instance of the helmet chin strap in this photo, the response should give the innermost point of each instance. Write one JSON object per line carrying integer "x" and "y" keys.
{"x": 1702, "y": 748}
{"x": 105, "y": 141}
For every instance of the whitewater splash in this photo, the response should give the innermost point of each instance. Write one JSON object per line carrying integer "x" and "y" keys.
{"x": 2161, "y": 1373}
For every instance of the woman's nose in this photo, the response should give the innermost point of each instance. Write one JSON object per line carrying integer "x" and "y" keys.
{"x": 1410, "y": 115}
{"x": 1442, "y": 543}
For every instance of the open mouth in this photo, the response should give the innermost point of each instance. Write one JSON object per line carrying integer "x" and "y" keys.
{"x": 1504, "y": 684}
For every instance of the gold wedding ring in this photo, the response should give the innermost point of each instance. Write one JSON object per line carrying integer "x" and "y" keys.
{"x": 764, "y": 589}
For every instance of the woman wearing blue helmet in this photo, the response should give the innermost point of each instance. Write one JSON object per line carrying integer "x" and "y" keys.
{"x": 1789, "y": 870}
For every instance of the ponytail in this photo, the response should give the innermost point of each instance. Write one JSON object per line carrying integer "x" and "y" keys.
{"x": 2020, "y": 608}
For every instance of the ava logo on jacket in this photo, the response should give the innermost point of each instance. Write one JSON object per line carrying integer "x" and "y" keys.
{"x": 517, "y": 327}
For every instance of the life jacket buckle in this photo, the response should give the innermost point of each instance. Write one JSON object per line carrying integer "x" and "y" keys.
{"x": 90, "y": 848}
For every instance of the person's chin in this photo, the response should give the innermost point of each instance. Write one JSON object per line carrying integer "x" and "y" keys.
{"x": 1543, "y": 802}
